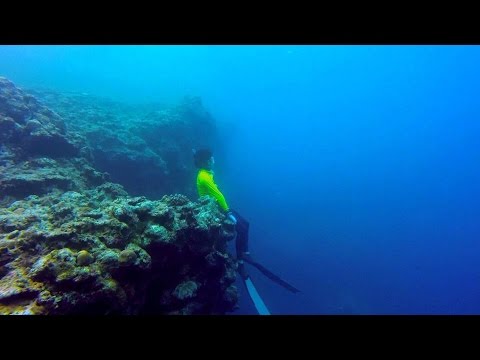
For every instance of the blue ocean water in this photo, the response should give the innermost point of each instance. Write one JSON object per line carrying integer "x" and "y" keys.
{"x": 357, "y": 166}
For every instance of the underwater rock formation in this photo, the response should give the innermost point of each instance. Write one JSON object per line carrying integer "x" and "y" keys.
{"x": 103, "y": 252}
{"x": 31, "y": 128}
{"x": 146, "y": 148}
{"x": 72, "y": 242}
{"x": 37, "y": 154}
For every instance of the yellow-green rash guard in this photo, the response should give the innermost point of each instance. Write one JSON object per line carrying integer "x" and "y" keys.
{"x": 206, "y": 186}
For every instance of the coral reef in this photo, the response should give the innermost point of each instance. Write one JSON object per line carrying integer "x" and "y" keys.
{"x": 101, "y": 252}
{"x": 37, "y": 154}
{"x": 73, "y": 242}
{"x": 146, "y": 148}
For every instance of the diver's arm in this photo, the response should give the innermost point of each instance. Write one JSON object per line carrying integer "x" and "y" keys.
{"x": 213, "y": 191}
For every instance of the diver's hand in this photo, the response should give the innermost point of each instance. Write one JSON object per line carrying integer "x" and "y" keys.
{"x": 232, "y": 217}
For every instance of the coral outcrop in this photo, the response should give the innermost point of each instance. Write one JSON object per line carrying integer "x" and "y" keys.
{"x": 73, "y": 242}
{"x": 146, "y": 148}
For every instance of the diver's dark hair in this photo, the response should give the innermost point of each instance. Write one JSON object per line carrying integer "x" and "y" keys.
{"x": 201, "y": 157}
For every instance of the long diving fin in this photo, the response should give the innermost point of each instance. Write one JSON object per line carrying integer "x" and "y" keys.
{"x": 272, "y": 276}
{"x": 255, "y": 296}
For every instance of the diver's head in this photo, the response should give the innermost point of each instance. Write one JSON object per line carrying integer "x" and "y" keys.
{"x": 203, "y": 159}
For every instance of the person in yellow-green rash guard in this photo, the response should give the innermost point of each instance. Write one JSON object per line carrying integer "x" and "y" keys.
{"x": 204, "y": 161}
{"x": 206, "y": 185}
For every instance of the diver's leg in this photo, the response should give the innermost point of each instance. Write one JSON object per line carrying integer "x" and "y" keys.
{"x": 240, "y": 256}
{"x": 241, "y": 243}
{"x": 242, "y": 228}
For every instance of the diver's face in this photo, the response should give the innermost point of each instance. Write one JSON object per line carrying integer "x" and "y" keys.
{"x": 211, "y": 162}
